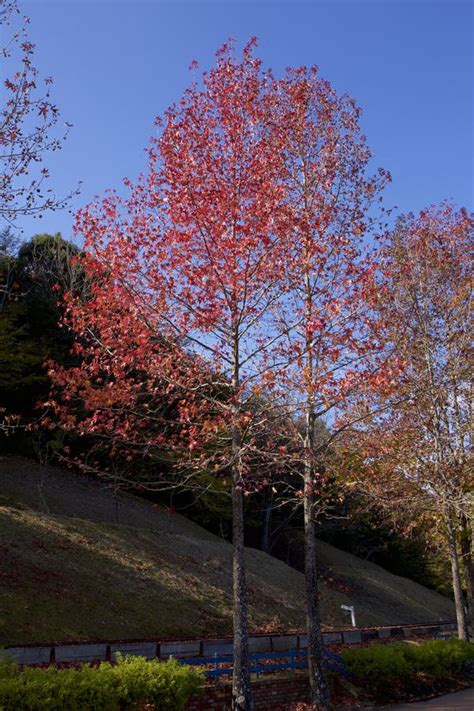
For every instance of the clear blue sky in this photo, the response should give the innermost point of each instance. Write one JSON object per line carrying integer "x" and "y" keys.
{"x": 118, "y": 63}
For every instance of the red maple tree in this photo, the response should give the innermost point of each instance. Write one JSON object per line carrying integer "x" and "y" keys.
{"x": 330, "y": 349}
{"x": 236, "y": 268}
{"x": 184, "y": 277}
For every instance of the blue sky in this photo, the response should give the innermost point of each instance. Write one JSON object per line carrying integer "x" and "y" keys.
{"x": 117, "y": 64}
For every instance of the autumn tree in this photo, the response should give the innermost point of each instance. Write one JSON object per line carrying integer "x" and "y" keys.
{"x": 242, "y": 246}
{"x": 418, "y": 447}
{"x": 28, "y": 124}
{"x": 192, "y": 262}
{"x": 330, "y": 347}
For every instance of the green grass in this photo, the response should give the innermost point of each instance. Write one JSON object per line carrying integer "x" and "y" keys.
{"x": 70, "y": 572}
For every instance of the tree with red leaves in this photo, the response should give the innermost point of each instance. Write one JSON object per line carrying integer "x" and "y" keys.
{"x": 240, "y": 254}
{"x": 417, "y": 448}
{"x": 331, "y": 348}
{"x": 185, "y": 275}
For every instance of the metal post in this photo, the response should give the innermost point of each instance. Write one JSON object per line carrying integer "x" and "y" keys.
{"x": 350, "y": 608}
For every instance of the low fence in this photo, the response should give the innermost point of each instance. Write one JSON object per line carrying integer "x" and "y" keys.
{"x": 222, "y": 665}
{"x": 182, "y": 649}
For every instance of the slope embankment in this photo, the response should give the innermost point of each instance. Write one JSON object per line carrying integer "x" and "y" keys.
{"x": 78, "y": 562}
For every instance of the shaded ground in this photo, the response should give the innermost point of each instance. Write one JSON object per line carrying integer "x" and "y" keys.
{"x": 77, "y": 562}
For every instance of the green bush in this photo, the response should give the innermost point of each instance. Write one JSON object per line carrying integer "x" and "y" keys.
{"x": 377, "y": 664}
{"x": 380, "y": 664}
{"x": 165, "y": 685}
{"x": 127, "y": 686}
{"x": 438, "y": 657}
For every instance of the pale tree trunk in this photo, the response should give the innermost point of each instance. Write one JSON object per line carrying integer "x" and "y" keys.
{"x": 319, "y": 688}
{"x": 466, "y": 553}
{"x": 456, "y": 577}
{"x": 241, "y": 690}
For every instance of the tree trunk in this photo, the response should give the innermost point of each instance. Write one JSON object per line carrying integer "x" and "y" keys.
{"x": 458, "y": 597}
{"x": 319, "y": 688}
{"x": 317, "y": 676}
{"x": 466, "y": 553}
{"x": 241, "y": 691}
{"x": 266, "y": 521}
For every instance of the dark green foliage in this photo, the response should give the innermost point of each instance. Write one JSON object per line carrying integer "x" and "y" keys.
{"x": 32, "y": 281}
{"x": 45, "y": 269}
{"x": 381, "y": 664}
{"x": 22, "y": 376}
{"x": 438, "y": 657}
{"x": 127, "y": 686}
{"x": 376, "y": 665}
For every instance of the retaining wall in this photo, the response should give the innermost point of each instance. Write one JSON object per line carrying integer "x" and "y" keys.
{"x": 105, "y": 651}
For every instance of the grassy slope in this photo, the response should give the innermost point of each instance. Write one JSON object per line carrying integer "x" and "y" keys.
{"x": 78, "y": 562}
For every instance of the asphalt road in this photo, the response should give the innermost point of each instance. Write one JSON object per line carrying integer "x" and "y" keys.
{"x": 459, "y": 701}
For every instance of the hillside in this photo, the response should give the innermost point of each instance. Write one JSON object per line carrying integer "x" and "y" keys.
{"x": 78, "y": 562}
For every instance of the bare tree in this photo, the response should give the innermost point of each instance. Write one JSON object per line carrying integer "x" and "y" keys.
{"x": 28, "y": 125}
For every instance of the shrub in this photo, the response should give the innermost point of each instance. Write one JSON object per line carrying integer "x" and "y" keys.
{"x": 127, "y": 686}
{"x": 166, "y": 685}
{"x": 438, "y": 657}
{"x": 8, "y": 667}
{"x": 377, "y": 664}
{"x": 380, "y": 664}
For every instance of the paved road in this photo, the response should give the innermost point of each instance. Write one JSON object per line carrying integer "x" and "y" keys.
{"x": 459, "y": 701}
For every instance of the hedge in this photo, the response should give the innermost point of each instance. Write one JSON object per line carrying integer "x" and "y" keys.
{"x": 382, "y": 663}
{"x": 125, "y": 686}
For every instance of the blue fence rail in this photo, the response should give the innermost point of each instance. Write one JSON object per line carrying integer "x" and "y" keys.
{"x": 265, "y": 662}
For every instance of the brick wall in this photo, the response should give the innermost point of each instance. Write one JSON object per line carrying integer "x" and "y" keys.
{"x": 268, "y": 693}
